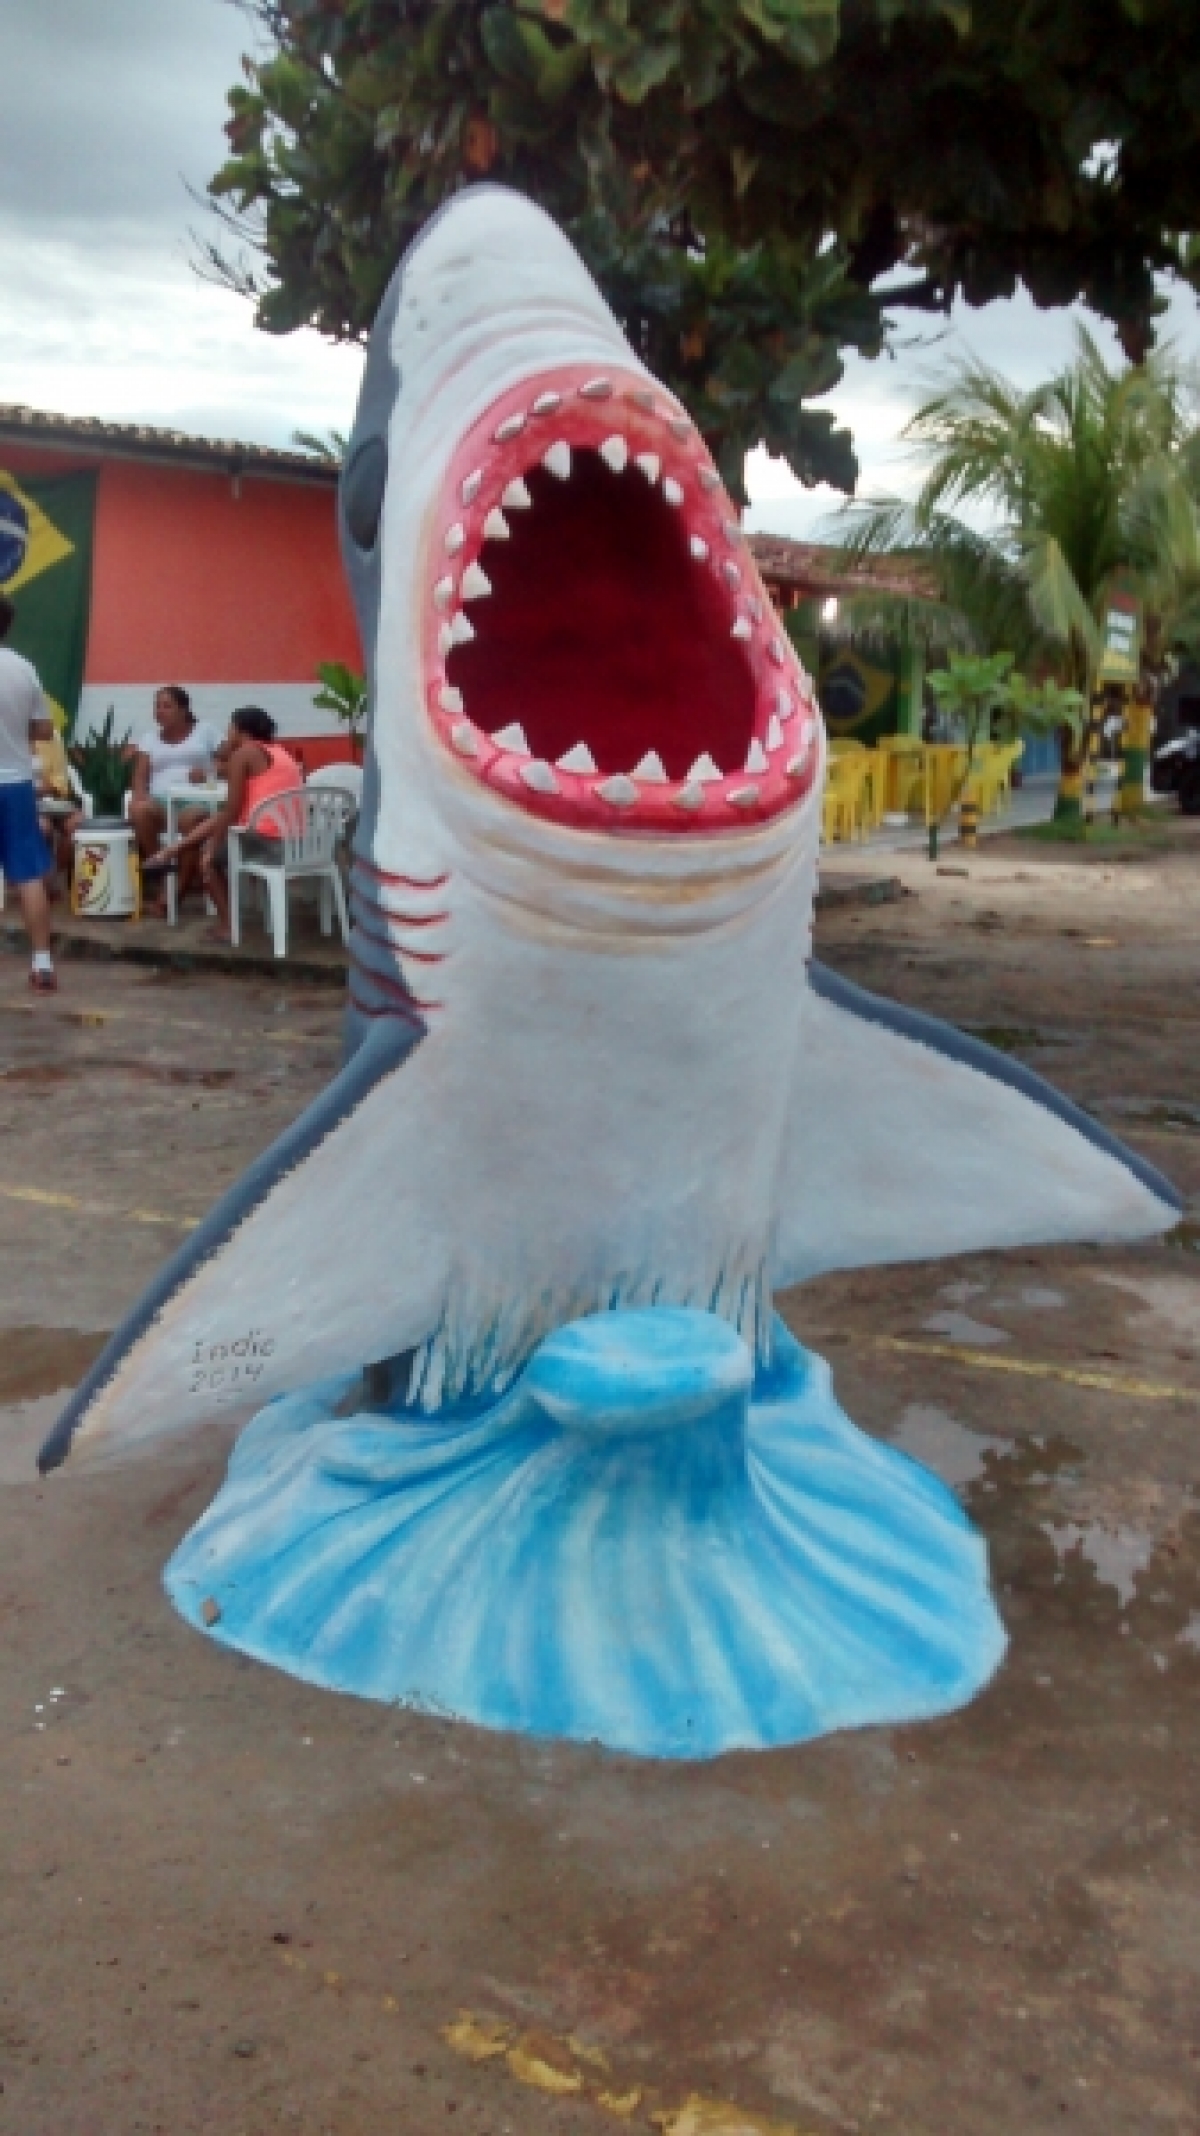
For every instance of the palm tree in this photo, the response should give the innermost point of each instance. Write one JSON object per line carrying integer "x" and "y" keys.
{"x": 1092, "y": 475}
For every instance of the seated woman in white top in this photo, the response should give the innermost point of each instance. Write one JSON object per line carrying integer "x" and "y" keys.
{"x": 178, "y": 750}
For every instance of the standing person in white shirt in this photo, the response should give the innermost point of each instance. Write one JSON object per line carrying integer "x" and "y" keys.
{"x": 176, "y": 750}
{"x": 25, "y": 858}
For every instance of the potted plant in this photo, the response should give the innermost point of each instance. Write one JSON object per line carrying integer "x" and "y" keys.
{"x": 981, "y": 696}
{"x": 344, "y": 693}
{"x": 105, "y": 766}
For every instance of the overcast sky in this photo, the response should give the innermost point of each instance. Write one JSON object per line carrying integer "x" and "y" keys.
{"x": 109, "y": 109}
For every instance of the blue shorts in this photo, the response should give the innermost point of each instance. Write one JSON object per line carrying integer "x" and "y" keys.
{"x": 24, "y": 855}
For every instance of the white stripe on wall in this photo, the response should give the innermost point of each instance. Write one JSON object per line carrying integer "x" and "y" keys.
{"x": 290, "y": 704}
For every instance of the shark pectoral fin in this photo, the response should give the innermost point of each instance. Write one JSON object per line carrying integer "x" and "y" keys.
{"x": 324, "y": 1257}
{"x": 908, "y": 1140}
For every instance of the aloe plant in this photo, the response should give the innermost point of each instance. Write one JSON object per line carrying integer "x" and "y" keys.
{"x": 105, "y": 765}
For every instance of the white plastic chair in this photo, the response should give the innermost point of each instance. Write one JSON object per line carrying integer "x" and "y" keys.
{"x": 348, "y": 776}
{"x": 346, "y": 779}
{"x": 311, "y": 821}
{"x": 79, "y": 792}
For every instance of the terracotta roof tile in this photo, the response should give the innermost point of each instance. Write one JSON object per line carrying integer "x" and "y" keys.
{"x": 142, "y": 441}
{"x": 810, "y": 568}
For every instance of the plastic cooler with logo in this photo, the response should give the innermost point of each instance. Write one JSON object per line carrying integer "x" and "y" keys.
{"x": 106, "y": 882}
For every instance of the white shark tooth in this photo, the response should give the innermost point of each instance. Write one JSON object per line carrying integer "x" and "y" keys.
{"x": 512, "y": 737}
{"x": 443, "y": 593}
{"x": 615, "y": 452}
{"x": 777, "y": 653}
{"x": 476, "y": 584}
{"x": 672, "y": 490}
{"x": 495, "y": 526}
{"x": 643, "y": 398}
{"x": 755, "y": 608}
{"x": 709, "y": 479}
{"x": 578, "y": 758}
{"x": 450, "y": 699}
{"x": 798, "y": 765}
{"x": 472, "y": 486}
{"x": 756, "y": 757}
{"x": 516, "y": 497}
{"x": 455, "y": 537}
{"x": 783, "y": 704}
{"x": 732, "y": 533}
{"x": 546, "y": 403}
{"x": 557, "y": 460}
{"x": 465, "y": 738}
{"x": 730, "y": 571}
{"x": 704, "y": 771}
{"x": 651, "y": 769}
{"x": 596, "y": 389}
{"x": 511, "y": 427}
{"x": 699, "y": 548}
{"x": 690, "y": 797}
{"x": 650, "y": 464}
{"x": 445, "y": 640}
{"x": 680, "y": 427}
{"x": 742, "y": 797}
{"x": 619, "y": 792}
{"x": 741, "y": 628}
{"x": 461, "y": 630}
{"x": 538, "y": 776}
{"x": 774, "y": 734}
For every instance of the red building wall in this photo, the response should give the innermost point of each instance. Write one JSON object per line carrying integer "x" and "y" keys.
{"x": 192, "y": 579}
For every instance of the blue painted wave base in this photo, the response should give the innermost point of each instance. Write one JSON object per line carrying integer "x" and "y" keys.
{"x": 640, "y": 1544}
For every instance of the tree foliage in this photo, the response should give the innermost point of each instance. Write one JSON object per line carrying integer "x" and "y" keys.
{"x": 757, "y": 183}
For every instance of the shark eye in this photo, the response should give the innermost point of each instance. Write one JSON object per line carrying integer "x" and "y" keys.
{"x": 364, "y": 480}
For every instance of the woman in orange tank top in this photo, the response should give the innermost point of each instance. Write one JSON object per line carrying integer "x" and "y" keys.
{"x": 256, "y": 768}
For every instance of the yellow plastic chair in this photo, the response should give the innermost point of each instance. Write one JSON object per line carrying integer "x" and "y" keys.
{"x": 947, "y": 763}
{"x": 840, "y": 818}
{"x": 870, "y": 769}
{"x": 907, "y": 782}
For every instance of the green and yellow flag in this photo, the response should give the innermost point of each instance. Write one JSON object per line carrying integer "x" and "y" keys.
{"x": 46, "y": 571}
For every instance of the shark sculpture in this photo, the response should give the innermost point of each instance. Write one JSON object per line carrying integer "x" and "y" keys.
{"x": 592, "y": 1068}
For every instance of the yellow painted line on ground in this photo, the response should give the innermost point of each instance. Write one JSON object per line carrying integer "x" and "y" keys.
{"x": 566, "y": 2068}
{"x": 97, "y": 1018}
{"x": 1039, "y": 1368}
{"x": 42, "y": 1198}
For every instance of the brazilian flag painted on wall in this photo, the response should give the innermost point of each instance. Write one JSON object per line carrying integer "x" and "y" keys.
{"x": 46, "y": 572}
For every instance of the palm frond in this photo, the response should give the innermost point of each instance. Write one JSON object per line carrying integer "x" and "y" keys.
{"x": 1056, "y": 600}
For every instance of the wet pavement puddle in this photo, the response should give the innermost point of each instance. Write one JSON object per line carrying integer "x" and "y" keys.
{"x": 1116, "y": 1555}
{"x": 939, "y": 1442}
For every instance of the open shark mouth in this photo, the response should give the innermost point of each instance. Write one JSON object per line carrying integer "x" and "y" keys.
{"x": 548, "y": 673}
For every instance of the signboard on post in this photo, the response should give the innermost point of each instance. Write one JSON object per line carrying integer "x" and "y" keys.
{"x": 1121, "y": 659}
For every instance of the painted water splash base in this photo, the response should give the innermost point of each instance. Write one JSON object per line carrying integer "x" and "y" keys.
{"x": 642, "y": 1544}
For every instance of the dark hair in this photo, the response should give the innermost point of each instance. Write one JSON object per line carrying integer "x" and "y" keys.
{"x": 180, "y": 695}
{"x": 8, "y": 615}
{"x": 252, "y": 720}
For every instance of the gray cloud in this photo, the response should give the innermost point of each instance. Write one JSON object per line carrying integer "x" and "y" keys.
{"x": 107, "y": 106}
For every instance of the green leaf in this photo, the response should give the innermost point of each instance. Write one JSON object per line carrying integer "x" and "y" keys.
{"x": 647, "y": 66}
{"x": 518, "y": 49}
